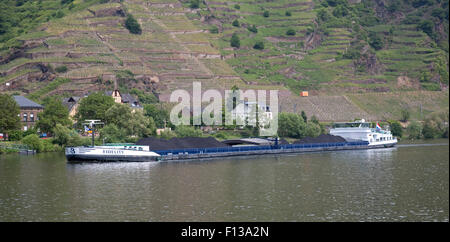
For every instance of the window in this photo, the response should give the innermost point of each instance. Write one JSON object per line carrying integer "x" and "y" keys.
{"x": 25, "y": 117}
{"x": 25, "y": 128}
{"x": 31, "y": 117}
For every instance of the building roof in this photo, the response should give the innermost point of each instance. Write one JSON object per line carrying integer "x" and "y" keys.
{"x": 24, "y": 102}
{"x": 126, "y": 98}
{"x": 70, "y": 102}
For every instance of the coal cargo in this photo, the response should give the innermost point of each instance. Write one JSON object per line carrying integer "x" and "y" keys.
{"x": 181, "y": 143}
{"x": 323, "y": 138}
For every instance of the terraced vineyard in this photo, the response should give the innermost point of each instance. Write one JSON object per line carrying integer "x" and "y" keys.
{"x": 95, "y": 46}
{"x": 288, "y": 45}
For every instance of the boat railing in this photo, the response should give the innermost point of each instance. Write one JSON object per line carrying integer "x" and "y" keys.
{"x": 257, "y": 148}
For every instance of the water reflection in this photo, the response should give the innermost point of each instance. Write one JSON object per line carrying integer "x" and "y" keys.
{"x": 396, "y": 184}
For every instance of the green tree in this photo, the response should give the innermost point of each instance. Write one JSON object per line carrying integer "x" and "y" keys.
{"x": 132, "y": 25}
{"x": 236, "y": 23}
{"x": 54, "y": 113}
{"x": 112, "y": 134}
{"x": 259, "y": 45}
{"x": 430, "y": 129}
{"x": 396, "y": 129}
{"x": 312, "y": 129}
{"x": 290, "y": 32}
{"x": 252, "y": 29}
{"x": 94, "y": 107}
{"x": 33, "y": 142}
{"x": 160, "y": 116}
{"x": 9, "y": 114}
{"x": 194, "y": 4}
{"x": 132, "y": 123}
{"x": 405, "y": 115}
{"x": 266, "y": 14}
{"x": 414, "y": 130}
{"x": 291, "y": 125}
{"x": 305, "y": 118}
{"x": 235, "y": 42}
{"x": 64, "y": 136}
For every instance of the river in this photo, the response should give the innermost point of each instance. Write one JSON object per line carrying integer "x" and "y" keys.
{"x": 405, "y": 183}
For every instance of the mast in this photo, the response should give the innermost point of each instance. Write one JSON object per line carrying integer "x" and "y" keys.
{"x": 92, "y": 123}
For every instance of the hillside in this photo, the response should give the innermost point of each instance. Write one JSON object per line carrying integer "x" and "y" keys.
{"x": 338, "y": 50}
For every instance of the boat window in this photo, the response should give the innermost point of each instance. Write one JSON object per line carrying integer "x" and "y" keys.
{"x": 351, "y": 125}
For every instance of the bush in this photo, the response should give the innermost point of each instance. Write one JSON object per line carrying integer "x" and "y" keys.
{"x": 61, "y": 69}
{"x": 431, "y": 86}
{"x": 288, "y": 13}
{"x": 259, "y": 45}
{"x": 132, "y": 25}
{"x": 235, "y": 42}
{"x": 405, "y": 115}
{"x": 396, "y": 129}
{"x": 266, "y": 14}
{"x": 430, "y": 129}
{"x": 214, "y": 30}
{"x": 33, "y": 142}
{"x": 195, "y": 4}
{"x": 15, "y": 135}
{"x": 414, "y": 130}
{"x": 290, "y": 32}
{"x": 252, "y": 29}
{"x": 237, "y": 6}
{"x": 426, "y": 26}
{"x": 187, "y": 131}
{"x": 167, "y": 134}
{"x": 236, "y": 23}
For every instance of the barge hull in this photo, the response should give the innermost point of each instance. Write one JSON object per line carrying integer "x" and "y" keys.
{"x": 187, "y": 156}
{"x": 96, "y": 158}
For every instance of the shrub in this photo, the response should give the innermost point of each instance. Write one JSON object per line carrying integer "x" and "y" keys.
{"x": 61, "y": 69}
{"x": 58, "y": 14}
{"x": 33, "y": 142}
{"x": 426, "y": 26}
{"x": 252, "y": 29}
{"x": 214, "y": 30}
{"x": 266, "y": 14}
{"x": 167, "y": 134}
{"x": 237, "y": 6}
{"x": 235, "y": 42}
{"x": 430, "y": 129}
{"x": 132, "y": 25}
{"x": 290, "y": 32}
{"x": 236, "y": 23}
{"x": 396, "y": 129}
{"x": 187, "y": 131}
{"x": 431, "y": 86}
{"x": 15, "y": 135}
{"x": 288, "y": 13}
{"x": 195, "y": 4}
{"x": 414, "y": 130}
{"x": 405, "y": 115}
{"x": 259, "y": 45}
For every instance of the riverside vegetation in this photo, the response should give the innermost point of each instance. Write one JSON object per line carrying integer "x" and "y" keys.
{"x": 354, "y": 50}
{"x": 122, "y": 124}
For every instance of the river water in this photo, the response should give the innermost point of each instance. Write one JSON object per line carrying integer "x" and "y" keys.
{"x": 405, "y": 183}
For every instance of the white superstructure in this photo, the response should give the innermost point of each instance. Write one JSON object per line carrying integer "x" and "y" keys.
{"x": 111, "y": 153}
{"x": 360, "y": 130}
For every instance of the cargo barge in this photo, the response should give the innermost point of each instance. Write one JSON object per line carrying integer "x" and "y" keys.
{"x": 345, "y": 136}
